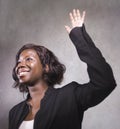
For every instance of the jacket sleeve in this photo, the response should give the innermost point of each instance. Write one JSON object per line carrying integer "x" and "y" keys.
{"x": 100, "y": 73}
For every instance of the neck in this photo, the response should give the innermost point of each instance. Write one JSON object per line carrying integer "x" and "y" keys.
{"x": 38, "y": 90}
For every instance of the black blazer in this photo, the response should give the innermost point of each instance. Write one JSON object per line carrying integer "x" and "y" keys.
{"x": 63, "y": 108}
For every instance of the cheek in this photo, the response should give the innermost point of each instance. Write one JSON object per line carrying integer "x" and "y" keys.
{"x": 38, "y": 69}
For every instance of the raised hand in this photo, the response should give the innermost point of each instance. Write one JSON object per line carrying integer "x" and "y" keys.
{"x": 76, "y": 19}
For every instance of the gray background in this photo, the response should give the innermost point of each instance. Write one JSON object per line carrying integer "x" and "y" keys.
{"x": 42, "y": 22}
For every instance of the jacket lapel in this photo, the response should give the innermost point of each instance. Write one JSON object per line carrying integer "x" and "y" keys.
{"x": 45, "y": 115}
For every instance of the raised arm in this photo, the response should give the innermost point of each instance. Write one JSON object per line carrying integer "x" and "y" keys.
{"x": 100, "y": 73}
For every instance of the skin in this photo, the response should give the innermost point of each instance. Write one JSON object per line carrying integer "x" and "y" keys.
{"x": 76, "y": 18}
{"x": 29, "y": 69}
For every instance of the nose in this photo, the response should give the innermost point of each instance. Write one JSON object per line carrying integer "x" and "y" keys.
{"x": 20, "y": 64}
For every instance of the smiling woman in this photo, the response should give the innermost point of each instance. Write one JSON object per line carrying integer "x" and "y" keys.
{"x": 35, "y": 63}
{"x": 29, "y": 68}
{"x": 37, "y": 70}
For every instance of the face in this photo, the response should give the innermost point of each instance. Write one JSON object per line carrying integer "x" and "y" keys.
{"x": 29, "y": 68}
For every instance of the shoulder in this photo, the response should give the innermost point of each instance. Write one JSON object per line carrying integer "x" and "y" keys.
{"x": 69, "y": 88}
{"x": 71, "y": 85}
{"x": 67, "y": 94}
{"x": 17, "y": 107}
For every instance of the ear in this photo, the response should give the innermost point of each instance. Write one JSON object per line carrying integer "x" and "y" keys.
{"x": 47, "y": 68}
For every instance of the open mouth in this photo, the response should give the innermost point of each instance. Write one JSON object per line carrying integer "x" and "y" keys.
{"x": 22, "y": 71}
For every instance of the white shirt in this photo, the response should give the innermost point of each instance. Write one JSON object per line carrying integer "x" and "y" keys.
{"x": 27, "y": 124}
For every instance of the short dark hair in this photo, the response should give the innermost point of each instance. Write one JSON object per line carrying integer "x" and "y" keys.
{"x": 56, "y": 70}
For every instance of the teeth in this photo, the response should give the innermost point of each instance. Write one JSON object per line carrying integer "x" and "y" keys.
{"x": 22, "y": 73}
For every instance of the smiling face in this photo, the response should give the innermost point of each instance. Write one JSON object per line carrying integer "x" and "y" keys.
{"x": 29, "y": 68}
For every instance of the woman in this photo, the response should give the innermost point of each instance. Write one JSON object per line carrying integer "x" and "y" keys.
{"x": 37, "y": 70}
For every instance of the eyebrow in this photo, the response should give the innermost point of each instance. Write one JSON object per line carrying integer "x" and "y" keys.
{"x": 26, "y": 57}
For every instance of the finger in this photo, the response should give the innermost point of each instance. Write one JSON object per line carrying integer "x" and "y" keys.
{"x": 74, "y": 14}
{"x": 78, "y": 14}
{"x": 71, "y": 18}
{"x": 68, "y": 29}
{"x": 83, "y": 15}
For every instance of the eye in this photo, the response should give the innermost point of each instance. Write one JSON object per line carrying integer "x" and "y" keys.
{"x": 29, "y": 59}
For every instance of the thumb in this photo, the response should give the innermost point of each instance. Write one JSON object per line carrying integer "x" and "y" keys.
{"x": 68, "y": 29}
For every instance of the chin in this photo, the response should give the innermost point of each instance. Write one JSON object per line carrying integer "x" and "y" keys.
{"x": 24, "y": 80}
{"x": 28, "y": 83}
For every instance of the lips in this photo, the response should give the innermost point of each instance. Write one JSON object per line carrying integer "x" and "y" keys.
{"x": 22, "y": 71}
